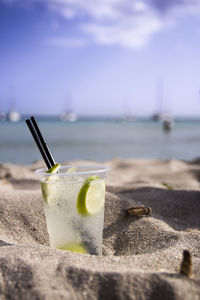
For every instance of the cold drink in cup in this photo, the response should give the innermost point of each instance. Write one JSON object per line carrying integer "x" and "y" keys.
{"x": 74, "y": 199}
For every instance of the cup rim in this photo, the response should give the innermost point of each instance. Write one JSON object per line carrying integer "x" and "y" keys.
{"x": 92, "y": 169}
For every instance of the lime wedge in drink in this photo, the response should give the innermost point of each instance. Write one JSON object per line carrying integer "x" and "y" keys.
{"x": 74, "y": 247}
{"x": 91, "y": 196}
{"x": 71, "y": 170}
{"x": 47, "y": 193}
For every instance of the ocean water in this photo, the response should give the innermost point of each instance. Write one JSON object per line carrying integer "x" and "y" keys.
{"x": 100, "y": 141}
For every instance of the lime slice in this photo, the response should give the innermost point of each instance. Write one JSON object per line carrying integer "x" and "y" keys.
{"x": 71, "y": 170}
{"x": 74, "y": 247}
{"x": 91, "y": 196}
{"x": 47, "y": 192}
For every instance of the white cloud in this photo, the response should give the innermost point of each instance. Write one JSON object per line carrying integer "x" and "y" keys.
{"x": 128, "y": 23}
{"x": 133, "y": 33}
{"x": 125, "y": 23}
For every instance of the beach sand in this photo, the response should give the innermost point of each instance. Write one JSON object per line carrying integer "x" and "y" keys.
{"x": 142, "y": 255}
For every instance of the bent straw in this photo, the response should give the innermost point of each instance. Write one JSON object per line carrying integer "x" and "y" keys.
{"x": 38, "y": 143}
{"x": 43, "y": 142}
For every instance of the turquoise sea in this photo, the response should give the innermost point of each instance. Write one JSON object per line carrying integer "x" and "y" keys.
{"x": 101, "y": 140}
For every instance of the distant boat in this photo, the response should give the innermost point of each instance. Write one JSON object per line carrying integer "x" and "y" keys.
{"x": 167, "y": 122}
{"x": 158, "y": 116}
{"x": 14, "y": 116}
{"x": 2, "y": 116}
{"x": 68, "y": 114}
{"x": 127, "y": 118}
{"x": 166, "y": 119}
{"x": 68, "y": 117}
{"x": 162, "y": 116}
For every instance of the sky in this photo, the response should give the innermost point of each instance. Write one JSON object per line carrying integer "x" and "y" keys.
{"x": 100, "y": 57}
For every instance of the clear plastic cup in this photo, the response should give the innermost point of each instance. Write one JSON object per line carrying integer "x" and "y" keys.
{"x": 74, "y": 207}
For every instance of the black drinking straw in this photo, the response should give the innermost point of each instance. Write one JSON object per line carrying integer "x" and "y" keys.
{"x": 40, "y": 142}
{"x": 43, "y": 142}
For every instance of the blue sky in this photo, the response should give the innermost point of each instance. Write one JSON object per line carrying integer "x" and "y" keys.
{"x": 99, "y": 57}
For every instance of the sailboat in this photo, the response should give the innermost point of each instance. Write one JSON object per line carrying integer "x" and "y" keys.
{"x": 127, "y": 116}
{"x": 162, "y": 116}
{"x": 69, "y": 115}
{"x": 2, "y": 116}
{"x": 159, "y": 91}
{"x": 14, "y": 116}
{"x": 167, "y": 122}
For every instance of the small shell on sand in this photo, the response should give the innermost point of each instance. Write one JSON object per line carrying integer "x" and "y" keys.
{"x": 139, "y": 211}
